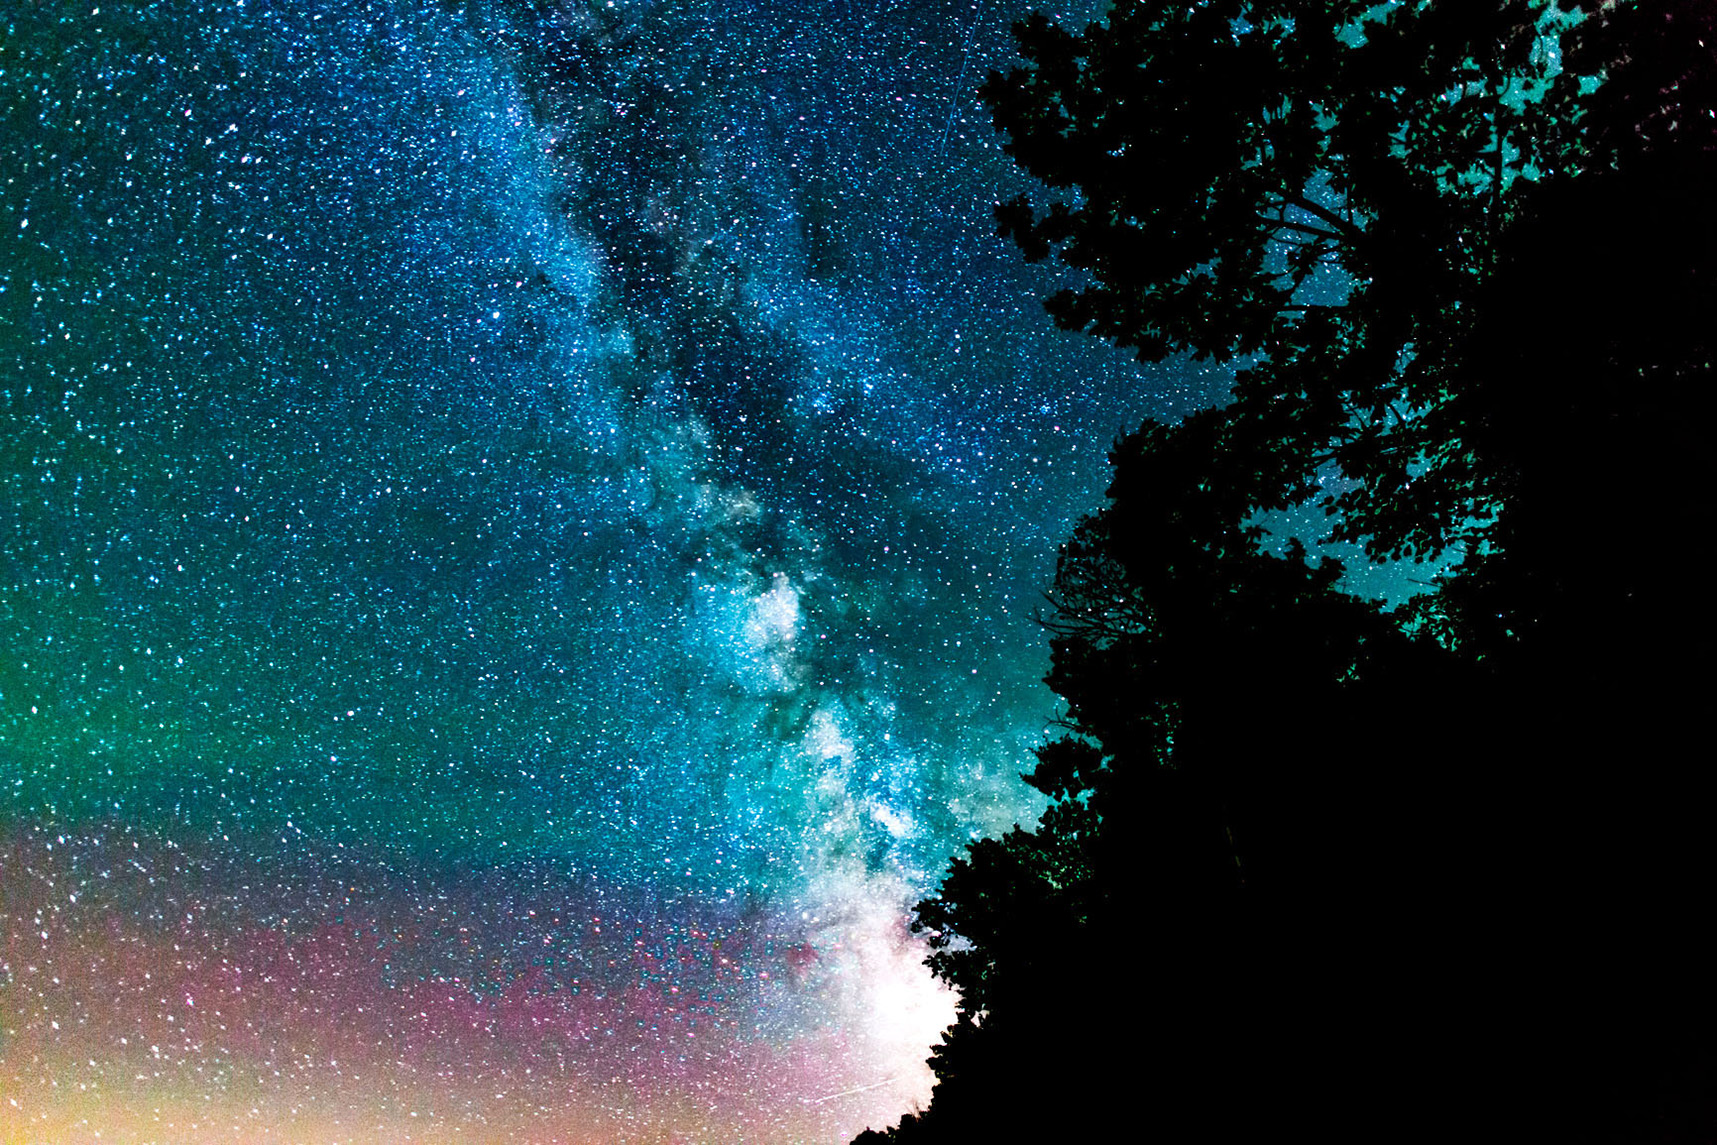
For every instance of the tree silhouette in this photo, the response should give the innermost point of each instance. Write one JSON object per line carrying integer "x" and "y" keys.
{"x": 1294, "y": 181}
{"x": 1361, "y": 870}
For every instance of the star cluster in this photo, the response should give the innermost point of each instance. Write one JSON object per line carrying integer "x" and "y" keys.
{"x": 520, "y": 529}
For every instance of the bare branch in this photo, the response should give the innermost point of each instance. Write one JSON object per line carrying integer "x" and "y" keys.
{"x": 1346, "y": 228}
{"x": 1302, "y": 228}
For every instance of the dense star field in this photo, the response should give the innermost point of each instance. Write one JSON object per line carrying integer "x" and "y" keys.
{"x": 520, "y": 533}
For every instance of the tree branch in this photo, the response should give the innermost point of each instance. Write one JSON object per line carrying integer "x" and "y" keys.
{"x": 1346, "y": 228}
{"x": 1302, "y": 228}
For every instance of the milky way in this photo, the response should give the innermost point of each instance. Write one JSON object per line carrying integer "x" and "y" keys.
{"x": 520, "y": 534}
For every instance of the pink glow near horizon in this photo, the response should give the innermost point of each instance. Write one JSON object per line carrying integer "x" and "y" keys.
{"x": 146, "y": 994}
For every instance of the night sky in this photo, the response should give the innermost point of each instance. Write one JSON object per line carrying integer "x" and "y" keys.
{"x": 520, "y": 534}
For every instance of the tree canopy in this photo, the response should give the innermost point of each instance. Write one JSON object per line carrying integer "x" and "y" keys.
{"x": 1318, "y": 186}
{"x": 1309, "y": 861}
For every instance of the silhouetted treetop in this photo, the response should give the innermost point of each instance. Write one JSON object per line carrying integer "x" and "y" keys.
{"x": 1317, "y": 185}
{"x": 1233, "y": 163}
{"x": 1363, "y": 868}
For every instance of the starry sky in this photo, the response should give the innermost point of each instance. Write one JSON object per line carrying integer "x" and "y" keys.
{"x": 521, "y": 527}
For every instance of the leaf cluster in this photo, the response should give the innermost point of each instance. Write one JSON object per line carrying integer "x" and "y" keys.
{"x": 1316, "y": 186}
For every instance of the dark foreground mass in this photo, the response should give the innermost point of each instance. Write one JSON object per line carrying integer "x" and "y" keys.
{"x": 1433, "y": 873}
